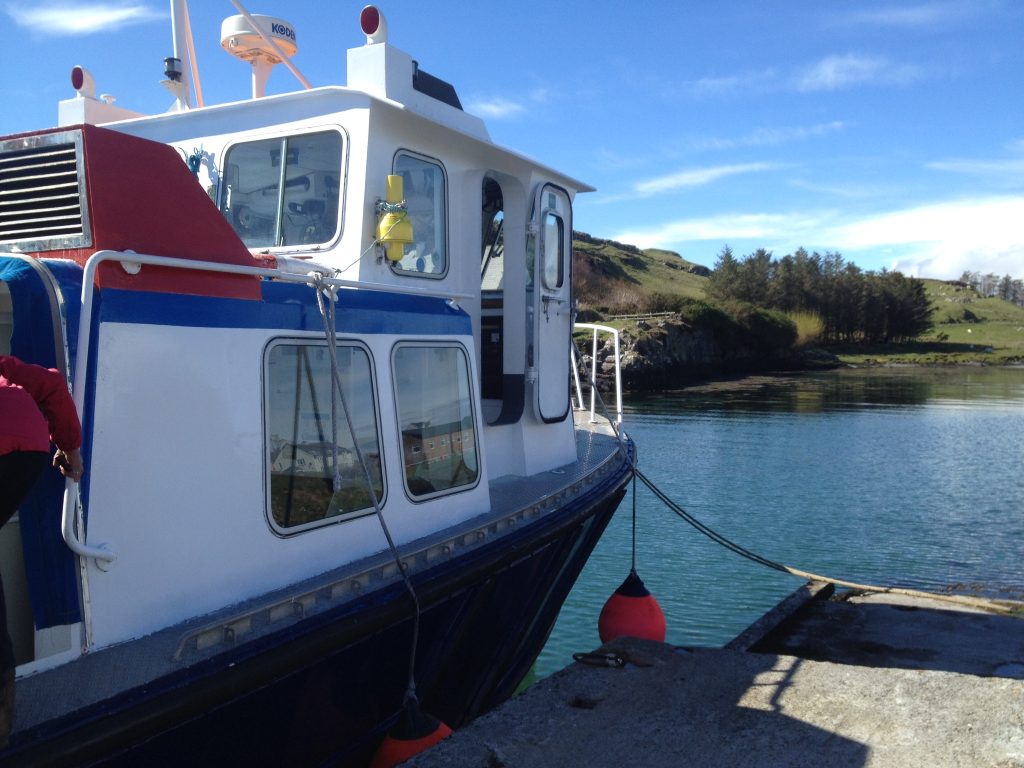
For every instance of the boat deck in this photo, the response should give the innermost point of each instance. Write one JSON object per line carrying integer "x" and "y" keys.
{"x": 875, "y": 681}
{"x": 98, "y": 676}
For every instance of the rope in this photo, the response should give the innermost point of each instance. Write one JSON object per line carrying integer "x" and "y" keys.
{"x": 988, "y": 604}
{"x": 633, "y": 562}
{"x": 1010, "y": 607}
{"x": 327, "y": 313}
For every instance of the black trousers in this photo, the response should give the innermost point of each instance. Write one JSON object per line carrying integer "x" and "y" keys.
{"x": 18, "y": 473}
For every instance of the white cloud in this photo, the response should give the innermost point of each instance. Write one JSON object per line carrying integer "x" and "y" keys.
{"x": 540, "y": 96}
{"x": 989, "y": 221}
{"x": 81, "y": 19}
{"x": 718, "y": 86}
{"x": 836, "y": 72}
{"x": 502, "y": 107}
{"x": 1013, "y": 169}
{"x": 944, "y": 239}
{"x": 497, "y": 108}
{"x": 762, "y": 137}
{"x": 845, "y": 190}
{"x": 949, "y": 264}
{"x": 938, "y": 240}
{"x": 695, "y": 178}
{"x": 609, "y": 159}
{"x": 911, "y": 16}
{"x": 762, "y": 227}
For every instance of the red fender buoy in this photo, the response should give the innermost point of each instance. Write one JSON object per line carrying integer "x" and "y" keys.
{"x": 414, "y": 732}
{"x": 631, "y": 611}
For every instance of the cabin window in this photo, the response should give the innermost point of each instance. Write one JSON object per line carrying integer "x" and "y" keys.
{"x": 424, "y": 186}
{"x": 305, "y": 444}
{"x": 553, "y": 252}
{"x": 435, "y": 415}
{"x": 284, "y": 192}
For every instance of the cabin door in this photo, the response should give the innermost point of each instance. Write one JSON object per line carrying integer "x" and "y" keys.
{"x": 552, "y": 302}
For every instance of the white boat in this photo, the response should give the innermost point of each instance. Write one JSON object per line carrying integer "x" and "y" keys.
{"x": 320, "y": 345}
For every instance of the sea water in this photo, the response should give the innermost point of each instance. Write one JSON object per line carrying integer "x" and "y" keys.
{"x": 907, "y": 477}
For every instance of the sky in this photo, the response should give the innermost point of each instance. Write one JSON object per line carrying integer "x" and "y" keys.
{"x": 890, "y": 131}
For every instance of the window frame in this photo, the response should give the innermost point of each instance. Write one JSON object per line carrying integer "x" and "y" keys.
{"x": 471, "y": 396}
{"x": 397, "y": 270}
{"x": 306, "y": 248}
{"x": 319, "y": 342}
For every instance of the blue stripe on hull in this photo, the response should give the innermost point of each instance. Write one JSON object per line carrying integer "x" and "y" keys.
{"x": 289, "y": 307}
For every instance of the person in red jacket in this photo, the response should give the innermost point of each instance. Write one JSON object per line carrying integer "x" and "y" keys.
{"x": 35, "y": 410}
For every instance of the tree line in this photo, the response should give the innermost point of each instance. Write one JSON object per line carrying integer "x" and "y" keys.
{"x": 1004, "y": 287}
{"x": 852, "y": 304}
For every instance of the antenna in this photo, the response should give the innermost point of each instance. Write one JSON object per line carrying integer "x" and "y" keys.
{"x": 263, "y": 41}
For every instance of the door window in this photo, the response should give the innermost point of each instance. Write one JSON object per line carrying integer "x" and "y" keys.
{"x": 553, "y": 250}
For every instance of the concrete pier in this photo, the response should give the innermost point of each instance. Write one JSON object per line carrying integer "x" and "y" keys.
{"x": 867, "y": 681}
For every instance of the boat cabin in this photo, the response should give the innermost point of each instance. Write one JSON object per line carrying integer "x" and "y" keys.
{"x": 285, "y": 321}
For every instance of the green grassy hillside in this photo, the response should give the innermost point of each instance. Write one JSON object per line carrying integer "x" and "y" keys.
{"x": 620, "y": 279}
{"x": 967, "y": 329}
{"x": 615, "y": 278}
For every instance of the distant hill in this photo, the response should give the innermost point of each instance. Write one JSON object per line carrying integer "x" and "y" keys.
{"x": 968, "y": 324}
{"x": 613, "y": 278}
{"x": 617, "y": 278}
{"x": 689, "y": 337}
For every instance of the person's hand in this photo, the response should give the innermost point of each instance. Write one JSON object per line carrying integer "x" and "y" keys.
{"x": 69, "y": 463}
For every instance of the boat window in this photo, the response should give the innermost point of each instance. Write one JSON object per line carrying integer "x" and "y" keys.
{"x": 294, "y": 203}
{"x": 304, "y": 488}
{"x": 424, "y": 187}
{"x": 552, "y": 254}
{"x": 435, "y": 416}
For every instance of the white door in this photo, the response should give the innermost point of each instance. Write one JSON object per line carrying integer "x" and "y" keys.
{"x": 552, "y": 296}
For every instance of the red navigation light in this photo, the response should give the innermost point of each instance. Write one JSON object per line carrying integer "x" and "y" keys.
{"x": 369, "y": 20}
{"x": 82, "y": 82}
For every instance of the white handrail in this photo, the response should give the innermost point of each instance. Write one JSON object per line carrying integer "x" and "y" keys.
{"x": 597, "y": 329}
{"x": 103, "y": 552}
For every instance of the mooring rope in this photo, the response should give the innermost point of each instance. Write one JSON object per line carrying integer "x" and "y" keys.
{"x": 984, "y": 603}
{"x": 1010, "y": 607}
{"x": 326, "y": 298}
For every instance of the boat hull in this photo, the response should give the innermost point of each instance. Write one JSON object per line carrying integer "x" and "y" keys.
{"x": 327, "y": 689}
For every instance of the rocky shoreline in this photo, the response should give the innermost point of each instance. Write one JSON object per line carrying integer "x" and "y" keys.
{"x": 667, "y": 353}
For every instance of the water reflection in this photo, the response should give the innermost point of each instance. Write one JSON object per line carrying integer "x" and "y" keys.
{"x": 840, "y": 391}
{"x": 906, "y": 477}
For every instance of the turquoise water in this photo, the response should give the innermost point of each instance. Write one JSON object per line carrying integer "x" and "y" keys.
{"x": 910, "y": 477}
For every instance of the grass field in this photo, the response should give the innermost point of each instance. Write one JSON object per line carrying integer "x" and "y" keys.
{"x": 968, "y": 329}
{"x": 618, "y": 281}
{"x": 614, "y": 278}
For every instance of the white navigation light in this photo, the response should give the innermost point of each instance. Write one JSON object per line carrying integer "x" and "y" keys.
{"x": 374, "y": 25}
{"x": 240, "y": 37}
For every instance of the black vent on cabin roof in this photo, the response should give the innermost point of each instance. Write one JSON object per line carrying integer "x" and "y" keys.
{"x": 434, "y": 87}
{"x": 42, "y": 194}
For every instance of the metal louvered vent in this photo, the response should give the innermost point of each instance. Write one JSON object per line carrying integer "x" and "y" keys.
{"x": 42, "y": 193}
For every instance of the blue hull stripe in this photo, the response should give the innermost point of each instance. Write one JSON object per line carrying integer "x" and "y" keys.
{"x": 289, "y": 307}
